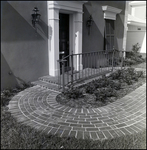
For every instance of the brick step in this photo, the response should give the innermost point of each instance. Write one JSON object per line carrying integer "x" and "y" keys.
{"x": 49, "y": 79}
{"x": 51, "y": 86}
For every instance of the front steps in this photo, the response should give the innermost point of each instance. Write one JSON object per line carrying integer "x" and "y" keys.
{"x": 48, "y": 83}
{"x": 53, "y": 83}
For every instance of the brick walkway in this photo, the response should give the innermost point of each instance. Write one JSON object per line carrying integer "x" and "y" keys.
{"x": 38, "y": 108}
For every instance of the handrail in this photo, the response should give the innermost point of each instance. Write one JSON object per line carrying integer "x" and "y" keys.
{"x": 87, "y": 53}
{"x": 121, "y": 50}
{"x": 87, "y": 64}
{"x": 66, "y": 56}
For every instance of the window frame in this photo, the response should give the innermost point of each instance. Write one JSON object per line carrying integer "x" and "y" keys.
{"x": 110, "y": 34}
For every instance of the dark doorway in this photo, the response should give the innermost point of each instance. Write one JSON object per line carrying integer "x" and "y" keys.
{"x": 64, "y": 37}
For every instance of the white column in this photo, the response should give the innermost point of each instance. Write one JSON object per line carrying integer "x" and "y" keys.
{"x": 133, "y": 11}
{"x": 143, "y": 46}
{"x": 125, "y": 26}
{"x": 78, "y": 40}
{"x": 53, "y": 41}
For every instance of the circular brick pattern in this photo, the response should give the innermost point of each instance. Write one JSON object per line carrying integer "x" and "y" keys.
{"x": 38, "y": 108}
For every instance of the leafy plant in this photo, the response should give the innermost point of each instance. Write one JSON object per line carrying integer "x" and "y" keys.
{"x": 106, "y": 86}
{"x": 126, "y": 75}
{"x": 104, "y": 92}
{"x": 115, "y": 85}
{"x": 133, "y": 57}
{"x": 101, "y": 82}
{"x": 24, "y": 85}
{"x": 73, "y": 93}
{"x": 7, "y": 93}
{"x": 91, "y": 87}
{"x": 140, "y": 74}
{"x": 116, "y": 75}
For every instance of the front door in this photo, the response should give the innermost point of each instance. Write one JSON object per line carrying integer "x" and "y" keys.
{"x": 64, "y": 37}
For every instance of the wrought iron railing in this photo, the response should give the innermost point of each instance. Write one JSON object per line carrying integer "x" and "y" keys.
{"x": 77, "y": 67}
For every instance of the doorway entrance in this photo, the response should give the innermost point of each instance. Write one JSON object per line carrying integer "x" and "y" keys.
{"x": 64, "y": 38}
{"x": 70, "y": 14}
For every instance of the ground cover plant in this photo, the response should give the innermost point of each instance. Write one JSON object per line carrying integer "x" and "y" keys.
{"x": 103, "y": 91}
{"x": 7, "y": 94}
{"x": 15, "y": 135}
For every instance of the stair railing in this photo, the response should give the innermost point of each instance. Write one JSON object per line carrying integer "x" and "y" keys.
{"x": 78, "y": 67}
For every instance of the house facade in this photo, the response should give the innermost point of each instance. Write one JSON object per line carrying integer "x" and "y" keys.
{"x": 28, "y": 53}
{"x": 136, "y": 26}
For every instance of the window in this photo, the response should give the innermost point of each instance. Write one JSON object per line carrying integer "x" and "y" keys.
{"x": 109, "y": 34}
{"x": 109, "y": 16}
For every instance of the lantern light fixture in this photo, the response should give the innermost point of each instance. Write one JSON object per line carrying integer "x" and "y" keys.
{"x": 89, "y": 23}
{"x": 35, "y": 16}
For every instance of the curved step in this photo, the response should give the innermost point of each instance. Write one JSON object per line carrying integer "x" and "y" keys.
{"x": 47, "y": 85}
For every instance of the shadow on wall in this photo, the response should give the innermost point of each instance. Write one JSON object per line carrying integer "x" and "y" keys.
{"x": 119, "y": 32}
{"x": 24, "y": 52}
{"x": 43, "y": 28}
{"x": 15, "y": 28}
{"x": 7, "y": 78}
{"x": 95, "y": 40}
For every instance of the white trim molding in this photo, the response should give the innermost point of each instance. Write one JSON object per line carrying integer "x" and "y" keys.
{"x": 75, "y": 11}
{"x": 137, "y": 3}
{"x": 110, "y": 12}
{"x": 133, "y": 23}
{"x": 132, "y": 20}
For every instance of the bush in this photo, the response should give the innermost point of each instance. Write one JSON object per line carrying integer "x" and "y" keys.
{"x": 140, "y": 74}
{"x": 126, "y": 75}
{"x": 106, "y": 86}
{"x": 115, "y": 85}
{"x": 91, "y": 87}
{"x": 133, "y": 57}
{"x": 7, "y": 93}
{"x": 73, "y": 93}
{"x": 116, "y": 75}
{"x": 104, "y": 92}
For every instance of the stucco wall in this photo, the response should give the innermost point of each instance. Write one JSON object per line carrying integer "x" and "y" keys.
{"x": 23, "y": 51}
{"x": 135, "y": 35}
{"x": 95, "y": 41}
{"x": 140, "y": 12}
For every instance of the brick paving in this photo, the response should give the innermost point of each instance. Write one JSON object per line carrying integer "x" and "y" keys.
{"x": 37, "y": 107}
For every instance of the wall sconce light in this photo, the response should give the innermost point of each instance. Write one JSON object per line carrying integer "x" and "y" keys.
{"x": 89, "y": 23}
{"x": 35, "y": 16}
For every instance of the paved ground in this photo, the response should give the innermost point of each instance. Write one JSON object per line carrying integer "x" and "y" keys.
{"x": 37, "y": 107}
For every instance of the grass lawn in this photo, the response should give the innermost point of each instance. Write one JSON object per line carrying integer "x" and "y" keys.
{"x": 14, "y": 135}
{"x": 17, "y": 136}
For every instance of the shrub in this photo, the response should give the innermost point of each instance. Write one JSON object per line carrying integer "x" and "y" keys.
{"x": 129, "y": 62}
{"x": 125, "y": 75}
{"x": 133, "y": 57}
{"x": 104, "y": 92}
{"x": 7, "y": 93}
{"x": 101, "y": 82}
{"x": 115, "y": 85}
{"x": 116, "y": 75}
{"x": 26, "y": 85}
{"x": 140, "y": 74}
{"x": 90, "y": 88}
{"x": 106, "y": 86}
{"x": 73, "y": 93}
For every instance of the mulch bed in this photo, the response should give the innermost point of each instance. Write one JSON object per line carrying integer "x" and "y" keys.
{"x": 89, "y": 100}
